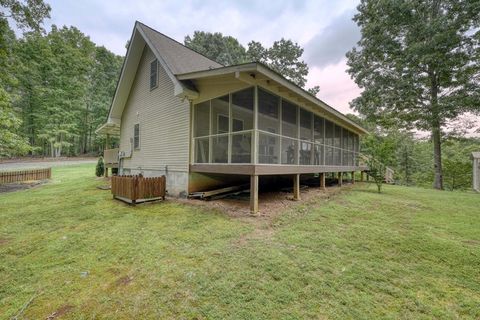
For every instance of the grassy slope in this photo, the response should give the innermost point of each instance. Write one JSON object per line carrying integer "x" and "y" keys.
{"x": 403, "y": 254}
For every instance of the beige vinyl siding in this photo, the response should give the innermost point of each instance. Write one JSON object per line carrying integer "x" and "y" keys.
{"x": 163, "y": 119}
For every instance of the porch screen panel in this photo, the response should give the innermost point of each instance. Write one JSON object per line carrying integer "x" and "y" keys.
{"x": 306, "y": 125}
{"x": 242, "y": 147}
{"x": 328, "y": 155}
{"x": 289, "y": 151}
{"x": 289, "y": 119}
{"x": 268, "y": 148}
{"x": 242, "y": 110}
{"x": 337, "y": 136}
{"x": 305, "y": 153}
{"x": 220, "y": 149}
{"x": 318, "y": 155}
{"x": 318, "y": 129}
{"x": 220, "y": 115}
{"x": 328, "y": 132}
{"x": 201, "y": 150}
{"x": 268, "y": 112}
{"x": 202, "y": 119}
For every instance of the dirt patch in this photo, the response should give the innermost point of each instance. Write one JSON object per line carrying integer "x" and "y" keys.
{"x": 11, "y": 187}
{"x": 271, "y": 205}
{"x": 123, "y": 281}
{"x": 472, "y": 242}
{"x": 60, "y": 312}
{"x": 4, "y": 241}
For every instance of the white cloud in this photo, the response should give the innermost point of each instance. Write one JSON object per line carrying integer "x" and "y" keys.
{"x": 110, "y": 23}
{"x": 336, "y": 87}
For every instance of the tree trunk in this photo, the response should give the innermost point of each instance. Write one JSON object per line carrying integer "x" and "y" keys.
{"x": 436, "y": 136}
{"x": 437, "y": 158}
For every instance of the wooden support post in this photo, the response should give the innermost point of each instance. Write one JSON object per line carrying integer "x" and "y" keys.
{"x": 340, "y": 179}
{"x": 106, "y": 172}
{"x": 253, "y": 194}
{"x": 353, "y": 177}
{"x": 322, "y": 181}
{"x": 368, "y": 177}
{"x": 296, "y": 187}
{"x": 362, "y": 176}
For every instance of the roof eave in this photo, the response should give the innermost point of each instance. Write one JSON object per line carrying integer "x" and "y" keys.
{"x": 258, "y": 67}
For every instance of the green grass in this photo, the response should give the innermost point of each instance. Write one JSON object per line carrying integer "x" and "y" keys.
{"x": 406, "y": 253}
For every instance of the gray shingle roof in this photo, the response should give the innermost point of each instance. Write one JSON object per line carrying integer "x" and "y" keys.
{"x": 178, "y": 58}
{"x": 476, "y": 155}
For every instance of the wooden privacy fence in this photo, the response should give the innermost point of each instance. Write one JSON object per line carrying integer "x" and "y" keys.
{"x": 134, "y": 189}
{"x": 25, "y": 175}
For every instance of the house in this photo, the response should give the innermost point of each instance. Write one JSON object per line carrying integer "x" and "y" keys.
{"x": 204, "y": 125}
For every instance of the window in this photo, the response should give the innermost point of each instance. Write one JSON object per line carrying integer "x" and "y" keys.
{"x": 136, "y": 136}
{"x": 222, "y": 123}
{"x": 153, "y": 74}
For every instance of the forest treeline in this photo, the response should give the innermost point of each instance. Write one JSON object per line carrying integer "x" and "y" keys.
{"x": 56, "y": 89}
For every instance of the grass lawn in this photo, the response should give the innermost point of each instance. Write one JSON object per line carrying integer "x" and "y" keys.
{"x": 68, "y": 250}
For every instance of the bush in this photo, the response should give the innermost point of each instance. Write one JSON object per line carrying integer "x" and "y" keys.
{"x": 100, "y": 169}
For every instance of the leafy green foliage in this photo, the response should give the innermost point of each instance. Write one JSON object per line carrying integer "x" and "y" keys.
{"x": 379, "y": 151}
{"x": 418, "y": 65}
{"x": 66, "y": 84}
{"x": 225, "y": 50}
{"x": 284, "y": 56}
{"x": 11, "y": 143}
{"x": 27, "y": 14}
{"x": 100, "y": 168}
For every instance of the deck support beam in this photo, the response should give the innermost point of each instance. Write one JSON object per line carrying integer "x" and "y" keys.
{"x": 353, "y": 177}
{"x": 322, "y": 181}
{"x": 296, "y": 187}
{"x": 253, "y": 194}
{"x": 340, "y": 179}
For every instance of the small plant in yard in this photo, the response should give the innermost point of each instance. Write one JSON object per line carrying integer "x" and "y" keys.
{"x": 100, "y": 169}
{"x": 379, "y": 152}
{"x": 376, "y": 171}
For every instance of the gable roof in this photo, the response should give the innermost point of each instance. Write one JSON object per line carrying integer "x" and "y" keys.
{"x": 183, "y": 65}
{"x": 178, "y": 58}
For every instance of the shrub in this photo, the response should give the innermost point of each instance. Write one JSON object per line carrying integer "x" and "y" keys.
{"x": 100, "y": 169}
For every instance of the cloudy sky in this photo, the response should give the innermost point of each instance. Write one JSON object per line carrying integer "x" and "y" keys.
{"x": 323, "y": 27}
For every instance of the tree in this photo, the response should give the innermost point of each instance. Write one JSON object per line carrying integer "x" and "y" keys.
{"x": 284, "y": 56}
{"x": 225, "y": 50}
{"x": 27, "y": 14}
{"x": 379, "y": 152}
{"x": 11, "y": 143}
{"x": 100, "y": 168}
{"x": 418, "y": 63}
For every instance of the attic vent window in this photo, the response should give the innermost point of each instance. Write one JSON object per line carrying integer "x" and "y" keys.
{"x": 153, "y": 74}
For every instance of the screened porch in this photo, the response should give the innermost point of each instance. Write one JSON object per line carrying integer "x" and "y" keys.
{"x": 256, "y": 127}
